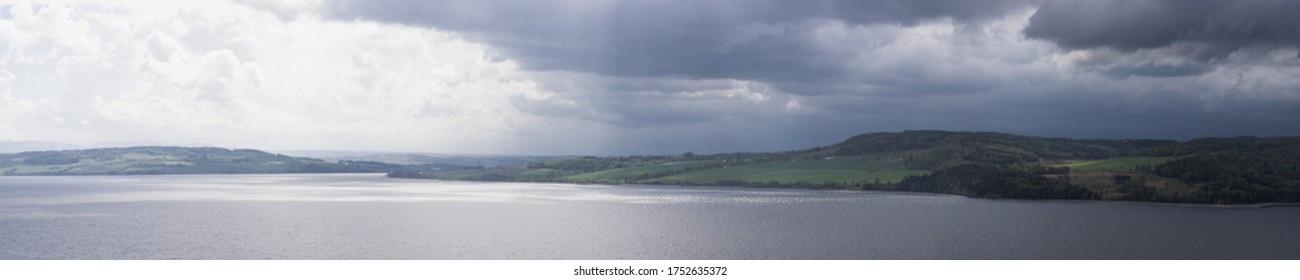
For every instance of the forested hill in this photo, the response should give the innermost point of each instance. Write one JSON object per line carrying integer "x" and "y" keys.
{"x": 942, "y": 149}
{"x": 979, "y": 164}
{"x": 179, "y": 160}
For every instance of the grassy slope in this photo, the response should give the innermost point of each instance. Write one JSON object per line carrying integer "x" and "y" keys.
{"x": 1121, "y": 164}
{"x": 613, "y": 175}
{"x": 814, "y": 171}
{"x": 168, "y": 160}
{"x": 123, "y": 163}
{"x": 535, "y": 174}
{"x": 140, "y": 163}
{"x": 467, "y": 174}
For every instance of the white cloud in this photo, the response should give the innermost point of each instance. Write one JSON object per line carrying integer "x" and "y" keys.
{"x": 11, "y": 110}
{"x": 228, "y": 74}
{"x": 224, "y": 73}
{"x": 1268, "y": 76}
{"x": 633, "y": 102}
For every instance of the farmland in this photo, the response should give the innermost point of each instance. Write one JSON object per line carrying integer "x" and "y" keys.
{"x": 838, "y": 170}
{"x": 1120, "y": 164}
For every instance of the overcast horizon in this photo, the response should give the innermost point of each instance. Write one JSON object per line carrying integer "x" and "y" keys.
{"x": 639, "y": 77}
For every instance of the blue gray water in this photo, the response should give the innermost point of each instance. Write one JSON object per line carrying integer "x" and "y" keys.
{"x": 368, "y": 216}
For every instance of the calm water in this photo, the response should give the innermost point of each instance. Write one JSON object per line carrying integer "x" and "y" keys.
{"x": 368, "y": 216}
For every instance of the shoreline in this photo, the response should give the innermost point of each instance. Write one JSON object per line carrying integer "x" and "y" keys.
{"x": 384, "y": 175}
{"x": 1151, "y": 203}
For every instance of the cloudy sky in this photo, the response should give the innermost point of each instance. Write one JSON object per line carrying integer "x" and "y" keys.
{"x": 639, "y": 77}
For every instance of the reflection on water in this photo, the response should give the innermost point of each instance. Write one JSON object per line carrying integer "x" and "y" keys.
{"x": 368, "y": 216}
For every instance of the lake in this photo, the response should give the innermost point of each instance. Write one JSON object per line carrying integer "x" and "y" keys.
{"x": 369, "y": 216}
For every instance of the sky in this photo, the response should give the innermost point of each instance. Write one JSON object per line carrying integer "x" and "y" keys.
{"x": 606, "y": 77}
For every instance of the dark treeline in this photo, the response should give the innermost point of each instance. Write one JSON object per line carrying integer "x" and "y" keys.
{"x": 996, "y": 181}
{"x": 1239, "y": 176}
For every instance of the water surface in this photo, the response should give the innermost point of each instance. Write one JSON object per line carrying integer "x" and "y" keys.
{"x": 369, "y": 216}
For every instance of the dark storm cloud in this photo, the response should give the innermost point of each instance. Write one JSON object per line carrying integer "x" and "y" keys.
{"x": 1153, "y": 70}
{"x": 829, "y": 69}
{"x": 1212, "y": 28}
{"x": 757, "y": 40}
{"x": 910, "y": 12}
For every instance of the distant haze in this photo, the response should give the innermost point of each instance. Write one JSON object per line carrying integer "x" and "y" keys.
{"x": 610, "y": 77}
{"x": 24, "y": 146}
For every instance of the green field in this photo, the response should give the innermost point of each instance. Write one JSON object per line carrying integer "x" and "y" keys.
{"x": 172, "y": 160}
{"x": 125, "y": 163}
{"x": 617, "y": 174}
{"x": 467, "y": 174}
{"x": 540, "y": 174}
{"x": 1121, "y": 164}
{"x": 838, "y": 170}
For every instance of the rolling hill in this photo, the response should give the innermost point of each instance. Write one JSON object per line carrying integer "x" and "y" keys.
{"x": 978, "y": 164}
{"x": 179, "y": 160}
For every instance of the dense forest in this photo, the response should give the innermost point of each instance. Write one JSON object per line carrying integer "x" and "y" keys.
{"x": 977, "y": 164}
